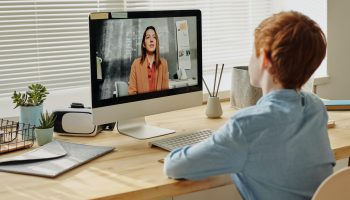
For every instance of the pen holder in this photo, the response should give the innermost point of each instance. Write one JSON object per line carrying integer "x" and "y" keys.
{"x": 214, "y": 109}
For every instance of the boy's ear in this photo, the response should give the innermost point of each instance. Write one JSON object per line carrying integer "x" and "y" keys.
{"x": 265, "y": 62}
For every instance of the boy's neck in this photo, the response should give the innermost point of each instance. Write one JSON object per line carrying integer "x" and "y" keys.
{"x": 268, "y": 84}
{"x": 270, "y": 89}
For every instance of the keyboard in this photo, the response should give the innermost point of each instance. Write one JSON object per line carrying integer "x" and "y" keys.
{"x": 183, "y": 140}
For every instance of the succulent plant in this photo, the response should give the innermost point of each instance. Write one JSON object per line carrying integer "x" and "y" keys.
{"x": 47, "y": 120}
{"x": 35, "y": 96}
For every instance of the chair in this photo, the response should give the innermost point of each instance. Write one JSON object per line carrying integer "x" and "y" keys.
{"x": 335, "y": 187}
{"x": 121, "y": 89}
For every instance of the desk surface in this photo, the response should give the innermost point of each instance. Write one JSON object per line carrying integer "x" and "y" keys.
{"x": 133, "y": 171}
{"x": 340, "y": 135}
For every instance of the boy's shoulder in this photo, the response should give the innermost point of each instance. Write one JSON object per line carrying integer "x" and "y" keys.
{"x": 312, "y": 96}
{"x": 313, "y": 101}
{"x": 271, "y": 108}
{"x": 274, "y": 114}
{"x": 252, "y": 113}
{"x": 253, "y": 117}
{"x": 252, "y": 121}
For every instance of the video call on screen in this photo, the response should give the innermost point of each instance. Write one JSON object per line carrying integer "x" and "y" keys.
{"x": 119, "y": 43}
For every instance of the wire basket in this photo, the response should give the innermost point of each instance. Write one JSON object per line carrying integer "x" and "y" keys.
{"x": 15, "y": 135}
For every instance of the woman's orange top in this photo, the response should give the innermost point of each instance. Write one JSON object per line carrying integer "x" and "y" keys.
{"x": 145, "y": 79}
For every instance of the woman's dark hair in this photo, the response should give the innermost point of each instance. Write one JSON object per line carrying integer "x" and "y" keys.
{"x": 144, "y": 51}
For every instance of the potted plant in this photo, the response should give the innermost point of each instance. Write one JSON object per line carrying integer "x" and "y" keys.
{"x": 30, "y": 103}
{"x": 44, "y": 131}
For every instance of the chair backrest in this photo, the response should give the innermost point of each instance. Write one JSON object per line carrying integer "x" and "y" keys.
{"x": 121, "y": 88}
{"x": 336, "y": 186}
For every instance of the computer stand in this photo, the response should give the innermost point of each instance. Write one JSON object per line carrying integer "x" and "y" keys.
{"x": 137, "y": 128}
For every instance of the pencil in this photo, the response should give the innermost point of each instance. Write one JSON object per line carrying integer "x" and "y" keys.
{"x": 217, "y": 89}
{"x": 206, "y": 87}
{"x": 216, "y": 70}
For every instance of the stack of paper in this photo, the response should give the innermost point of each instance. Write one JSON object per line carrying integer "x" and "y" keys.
{"x": 52, "y": 159}
{"x": 337, "y": 104}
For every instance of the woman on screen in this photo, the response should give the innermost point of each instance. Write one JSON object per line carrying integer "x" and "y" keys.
{"x": 149, "y": 72}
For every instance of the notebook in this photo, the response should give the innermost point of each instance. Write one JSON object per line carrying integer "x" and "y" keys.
{"x": 53, "y": 158}
{"x": 337, "y": 104}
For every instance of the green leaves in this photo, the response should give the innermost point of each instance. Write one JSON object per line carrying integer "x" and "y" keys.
{"x": 47, "y": 120}
{"x": 19, "y": 99}
{"x": 35, "y": 96}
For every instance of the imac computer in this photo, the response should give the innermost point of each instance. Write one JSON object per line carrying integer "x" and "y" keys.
{"x": 144, "y": 63}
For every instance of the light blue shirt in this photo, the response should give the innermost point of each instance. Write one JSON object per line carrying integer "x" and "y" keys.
{"x": 278, "y": 149}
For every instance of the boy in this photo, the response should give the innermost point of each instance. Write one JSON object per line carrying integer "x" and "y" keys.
{"x": 279, "y": 148}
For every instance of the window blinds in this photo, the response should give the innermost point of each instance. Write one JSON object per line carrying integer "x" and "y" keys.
{"x": 44, "y": 41}
{"x": 227, "y": 26}
{"x": 48, "y": 41}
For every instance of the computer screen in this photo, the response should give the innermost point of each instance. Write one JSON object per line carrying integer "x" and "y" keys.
{"x": 144, "y": 63}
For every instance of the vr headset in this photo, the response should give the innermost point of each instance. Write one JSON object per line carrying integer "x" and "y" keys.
{"x": 77, "y": 121}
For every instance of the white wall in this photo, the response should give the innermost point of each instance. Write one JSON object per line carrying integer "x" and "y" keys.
{"x": 338, "y": 51}
{"x": 55, "y": 100}
{"x": 338, "y": 31}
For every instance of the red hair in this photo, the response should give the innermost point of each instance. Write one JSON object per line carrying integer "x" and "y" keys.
{"x": 295, "y": 45}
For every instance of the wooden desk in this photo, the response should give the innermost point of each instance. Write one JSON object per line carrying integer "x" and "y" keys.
{"x": 340, "y": 135}
{"x": 133, "y": 171}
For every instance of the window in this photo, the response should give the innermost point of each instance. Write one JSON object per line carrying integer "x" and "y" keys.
{"x": 227, "y": 26}
{"x": 44, "y": 41}
{"x": 47, "y": 41}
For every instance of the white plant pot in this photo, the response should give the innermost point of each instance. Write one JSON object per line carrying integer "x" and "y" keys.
{"x": 43, "y": 136}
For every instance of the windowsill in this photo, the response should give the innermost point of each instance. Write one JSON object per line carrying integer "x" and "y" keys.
{"x": 223, "y": 95}
{"x": 63, "y": 98}
{"x": 322, "y": 80}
